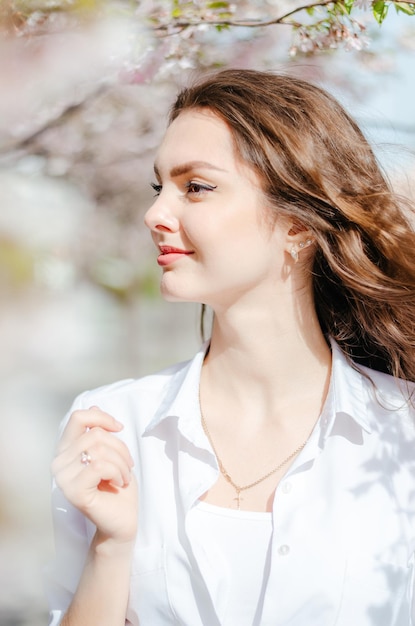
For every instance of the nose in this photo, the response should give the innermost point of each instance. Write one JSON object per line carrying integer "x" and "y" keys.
{"x": 160, "y": 217}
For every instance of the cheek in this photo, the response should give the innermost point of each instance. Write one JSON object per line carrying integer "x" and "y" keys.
{"x": 201, "y": 230}
{"x": 232, "y": 223}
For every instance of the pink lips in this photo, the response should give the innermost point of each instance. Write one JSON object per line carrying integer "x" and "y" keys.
{"x": 169, "y": 254}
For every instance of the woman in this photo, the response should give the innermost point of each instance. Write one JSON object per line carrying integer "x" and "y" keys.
{"x": 271, "y": 480}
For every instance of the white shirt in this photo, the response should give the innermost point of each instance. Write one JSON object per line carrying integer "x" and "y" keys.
{"x": 235, "y": 544}
{"x": 343, "y": 538}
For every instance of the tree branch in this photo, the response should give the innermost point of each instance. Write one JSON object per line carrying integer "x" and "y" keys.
{"x": 245, "y": 23}
{"x": 183, "y": 24}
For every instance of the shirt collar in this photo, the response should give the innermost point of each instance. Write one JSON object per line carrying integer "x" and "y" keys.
{"x": 346, "y": 396}
{"x": 347, "y": 393}
{"x": 182, "y": 400}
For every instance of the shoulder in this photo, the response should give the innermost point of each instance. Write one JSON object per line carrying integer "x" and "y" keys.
{"x": 151, "y": 384}
{"x": 370, "y": 395}
{"x": 396, "y": 390}
{"x": 391, "y": 400}
{"x": 132, "y": 400}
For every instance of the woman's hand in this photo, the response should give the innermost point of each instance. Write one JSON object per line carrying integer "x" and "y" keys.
{"x": 93, "y": 469}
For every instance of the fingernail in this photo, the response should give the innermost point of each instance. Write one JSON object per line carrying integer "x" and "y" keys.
{"x": 118, "y": 482}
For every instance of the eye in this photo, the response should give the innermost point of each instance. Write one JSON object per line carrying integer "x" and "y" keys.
{"x": 157, "y": 188}
{"x": 196, "y": 189}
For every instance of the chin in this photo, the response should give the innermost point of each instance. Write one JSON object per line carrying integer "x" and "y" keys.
{"x": 176, "y": 295}
{"x": 172, "y": 295}
{"x": 194, "y": 291}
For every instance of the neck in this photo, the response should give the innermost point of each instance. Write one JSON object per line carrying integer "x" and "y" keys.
{"x": 262, "y": 356}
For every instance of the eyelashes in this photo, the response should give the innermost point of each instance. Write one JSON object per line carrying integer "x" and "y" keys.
{"x": 192, "y": 188}
{"x": 157, "y": 188}
{"x": 198, "y": 188}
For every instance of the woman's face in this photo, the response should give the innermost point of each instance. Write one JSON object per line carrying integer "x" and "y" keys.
{"x": 209, "y": 219}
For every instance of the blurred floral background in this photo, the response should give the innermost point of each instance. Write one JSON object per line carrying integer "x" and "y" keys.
{"x": 85, "y": 88}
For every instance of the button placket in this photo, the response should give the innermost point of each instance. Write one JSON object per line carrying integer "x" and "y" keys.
{"x": 284, "y": 549}
{"x": 286, "y": 487}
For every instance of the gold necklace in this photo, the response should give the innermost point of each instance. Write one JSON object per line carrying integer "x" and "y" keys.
{"x": 239, "y": 488}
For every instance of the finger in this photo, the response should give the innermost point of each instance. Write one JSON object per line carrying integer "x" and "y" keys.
{"x": 65, "y": 472}
{"x": 80, "y": 484}
{"x": 86, "y": 419}
{"x": 102, "y": 455}
{"x": 71, "y": 463}
{"x": 98, "y": 444}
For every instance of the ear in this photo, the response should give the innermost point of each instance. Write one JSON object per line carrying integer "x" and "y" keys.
{"x": 298, "y": 238}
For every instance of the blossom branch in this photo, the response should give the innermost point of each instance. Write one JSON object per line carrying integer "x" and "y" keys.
{"x": 183, "y": 22}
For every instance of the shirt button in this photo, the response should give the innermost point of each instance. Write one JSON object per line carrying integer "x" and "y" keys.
{"x": 286, "y": 487}
{"x": 283, "y": 550}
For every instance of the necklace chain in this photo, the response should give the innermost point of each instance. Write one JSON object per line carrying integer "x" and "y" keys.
{"x": 228, "y": 478}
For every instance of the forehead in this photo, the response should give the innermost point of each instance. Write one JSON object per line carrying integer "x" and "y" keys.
{"x": 197, "y": 135}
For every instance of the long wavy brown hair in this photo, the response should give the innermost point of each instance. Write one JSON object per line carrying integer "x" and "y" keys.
{"x": 318, "y": 168}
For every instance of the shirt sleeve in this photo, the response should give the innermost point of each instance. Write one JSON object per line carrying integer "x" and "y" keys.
{"x": 72, "y": 534}
{"x": 413, "y": 598}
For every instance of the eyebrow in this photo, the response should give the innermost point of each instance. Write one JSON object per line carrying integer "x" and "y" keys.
{"x": 185, "y": 168}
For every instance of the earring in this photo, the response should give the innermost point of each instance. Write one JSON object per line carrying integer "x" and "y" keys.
{"x": 294, "y": 254}
{"x": 304, "y": 244}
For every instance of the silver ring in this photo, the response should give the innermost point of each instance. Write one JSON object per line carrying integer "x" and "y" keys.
{"x": 85, "y": 458}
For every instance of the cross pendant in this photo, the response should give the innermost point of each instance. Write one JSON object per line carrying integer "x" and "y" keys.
{"x": 238, "y": 499}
